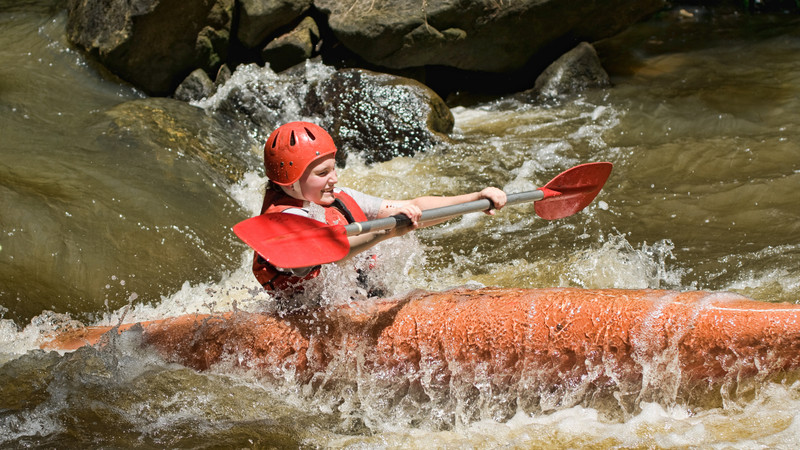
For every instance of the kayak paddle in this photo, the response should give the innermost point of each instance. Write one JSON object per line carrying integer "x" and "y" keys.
{"x": 291, "y": 241}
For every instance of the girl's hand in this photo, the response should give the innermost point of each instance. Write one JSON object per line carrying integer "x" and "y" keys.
{"x": 496, "y": 196}
{"x": 413, "y": 213}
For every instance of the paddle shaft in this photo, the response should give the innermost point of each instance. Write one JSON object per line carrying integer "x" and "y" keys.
{"x": 444, "y": 212}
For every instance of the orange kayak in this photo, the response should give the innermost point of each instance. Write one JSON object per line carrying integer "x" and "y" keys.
{"x": 557, "y": 336}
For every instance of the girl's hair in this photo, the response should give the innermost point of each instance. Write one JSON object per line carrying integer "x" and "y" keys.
{"x": 272, "y": 185}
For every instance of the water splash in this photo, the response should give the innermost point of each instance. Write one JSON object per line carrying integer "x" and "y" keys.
{"x": 249, "y": 192}
{"x": 618, "y": 264}
{"x": 762, "y": 274}
{"x": 262, "y": 97}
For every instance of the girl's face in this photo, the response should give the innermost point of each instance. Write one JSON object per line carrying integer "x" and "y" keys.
{"x": 318, "y": 181}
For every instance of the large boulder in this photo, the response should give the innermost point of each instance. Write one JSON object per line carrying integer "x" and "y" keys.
{"x": 475, "y": 35}
{"x": 379, "y": 115}
{"x": 153, "y": 44}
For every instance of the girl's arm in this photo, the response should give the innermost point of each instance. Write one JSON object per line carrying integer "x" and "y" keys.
{"x": 392, "y": 207}
{"x": 413, "y": 210}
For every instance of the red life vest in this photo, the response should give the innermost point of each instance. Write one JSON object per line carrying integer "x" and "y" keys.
{"x": 343, "y": 210}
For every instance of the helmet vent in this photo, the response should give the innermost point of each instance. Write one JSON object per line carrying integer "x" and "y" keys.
{"x": 292, "y": 140}
{"x": 275, "y": 141}
{"x": 310, "y": 134}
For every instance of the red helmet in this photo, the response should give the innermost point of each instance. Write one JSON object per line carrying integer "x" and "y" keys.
{"x": 292, "y": 147}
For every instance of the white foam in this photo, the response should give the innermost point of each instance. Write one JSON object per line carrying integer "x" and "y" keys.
{"x": 617, "y": 264}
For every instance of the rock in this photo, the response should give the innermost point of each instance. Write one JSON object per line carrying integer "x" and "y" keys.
{"x": 196, "y": 86}
{"x": 479, "y": 35}
{"x": 176, "y": 130}
{"x": 260, "y": 18}
{"x": 293, "y": 47}
{"x": 154, "y": 44}
{"x": 378, "y": 115}
{"x": 575, "y": 71}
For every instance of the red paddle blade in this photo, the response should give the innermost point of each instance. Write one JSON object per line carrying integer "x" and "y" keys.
{"x": 572, "y": 190}
{"x": 290, "y": 241}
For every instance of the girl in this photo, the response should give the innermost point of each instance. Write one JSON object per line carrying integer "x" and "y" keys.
{"x": 300, "y": 162}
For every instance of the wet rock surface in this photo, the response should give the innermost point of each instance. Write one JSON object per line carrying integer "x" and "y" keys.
{"x": 575, "y": 71}
{"x": 153, "y": 44}
{"x": 380, "y": 115}
{"x": 483, "y": 35}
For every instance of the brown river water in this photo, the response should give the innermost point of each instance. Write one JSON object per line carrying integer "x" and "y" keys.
{"x": 116, "y": 207}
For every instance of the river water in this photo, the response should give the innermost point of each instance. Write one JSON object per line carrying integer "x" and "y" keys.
{"x": 116, "y": 207}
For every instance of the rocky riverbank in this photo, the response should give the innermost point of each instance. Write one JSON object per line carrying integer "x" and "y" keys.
{"x": 388, "y": 63}
{"x": 156, "y": 44}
